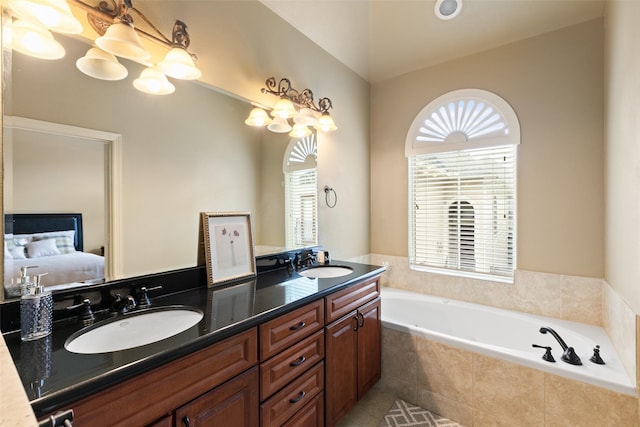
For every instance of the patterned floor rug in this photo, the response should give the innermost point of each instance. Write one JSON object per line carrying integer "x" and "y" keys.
{"x": 403, "y": 414}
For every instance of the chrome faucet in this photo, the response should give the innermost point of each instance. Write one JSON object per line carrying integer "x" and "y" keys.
{"x": 569, "y": 355}
{"x": 122, "y": 305}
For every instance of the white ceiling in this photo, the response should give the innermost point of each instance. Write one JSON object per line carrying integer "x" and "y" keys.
{"x": 381, "y": 39}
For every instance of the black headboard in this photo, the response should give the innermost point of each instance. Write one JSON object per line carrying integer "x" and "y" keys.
{"x": 28, "y": 223}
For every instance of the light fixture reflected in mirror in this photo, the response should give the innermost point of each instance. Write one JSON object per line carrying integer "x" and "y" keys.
{"x": 279, "y": 125}
{"x": 52, "y": 14}
{"x": 299, "y": 131}
{"x": 153, "y": 82}
{"x": 285, "y": 108}
{"x": 258, "y": 117}
{"x": 33, "y": 40}
{"x": 101, "y": 65}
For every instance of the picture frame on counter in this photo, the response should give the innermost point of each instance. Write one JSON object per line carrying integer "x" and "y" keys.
{"x": 228, "y": 246}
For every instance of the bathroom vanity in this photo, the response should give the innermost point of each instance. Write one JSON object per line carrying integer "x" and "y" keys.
{"x": 280, "y": 349}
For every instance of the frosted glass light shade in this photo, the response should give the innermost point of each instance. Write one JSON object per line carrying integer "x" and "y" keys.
{"x": 306, "y": 117}
{"x": 121, "y": 40}
{"x": 34, "y": 40}
{"x": 179, "y": 64}
{"x": 325, "y": 123}
{"x": 153, "y": 82}
{"x": 258, "y": 117}
{"x": 53, "y": 14}
{"x": 299, "y": 131}
{"x": 101, "y": 65}
{"x": 284, "y": 109}
{"x": 279, "y": 125}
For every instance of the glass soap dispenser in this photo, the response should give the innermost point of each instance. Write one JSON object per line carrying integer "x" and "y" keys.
{"x": 36, "y": 311}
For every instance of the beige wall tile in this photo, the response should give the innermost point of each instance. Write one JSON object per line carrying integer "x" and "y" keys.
{"x": 444, "y": 370}
{"x": 582, "y": 299}
{"x": 398, "y": 365}
{"x": 620, "y": 323}
{"x": 483, "y": 419}
{"x": 572, "y": 403}
{"x": 455, "y": 411}
{"x": 508, "y": 391}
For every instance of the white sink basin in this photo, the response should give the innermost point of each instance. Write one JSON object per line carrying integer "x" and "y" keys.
{"x": 133, "y": 330}
{"x": 325, "y": 271}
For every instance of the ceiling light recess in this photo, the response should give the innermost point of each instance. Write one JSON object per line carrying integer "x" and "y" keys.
{"x": 448, "y": 9}
{"x": 300, "y": 106}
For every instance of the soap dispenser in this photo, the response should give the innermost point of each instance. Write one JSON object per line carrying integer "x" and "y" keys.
{"x": 23, "y": 280}
{"x": 36, "y": 312}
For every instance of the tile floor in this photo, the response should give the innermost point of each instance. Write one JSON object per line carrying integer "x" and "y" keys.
{"x": 369, "y": 411}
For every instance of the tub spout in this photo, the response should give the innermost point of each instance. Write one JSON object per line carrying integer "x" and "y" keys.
{"x": 569, "y": 355}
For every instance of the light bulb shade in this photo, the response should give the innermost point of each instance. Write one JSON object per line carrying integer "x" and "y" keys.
{"x": 101, "y": 65}
{"x": 284, "y": 109}
{"x": 279, "y": 125}
{"x": 325, "y": 123}
{"x": 34, "y": 40}
{"x": 299, "y": 131}
{"x": 53, "y": 14}
{"x": 179, "y": 64}
{"x": 306, "y": 117}
{"x": 153, "y": 82}
{"x": 121, "y": 40}
{"x": 258, "y": 117}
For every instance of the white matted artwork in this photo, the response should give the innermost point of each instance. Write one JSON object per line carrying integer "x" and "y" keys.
{"x": 228, "y": 246}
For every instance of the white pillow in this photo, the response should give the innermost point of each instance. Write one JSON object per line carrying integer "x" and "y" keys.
{"x": 18, "y": 252}
{"x": 40, "y": 248}
{"x": 7, "y": 254}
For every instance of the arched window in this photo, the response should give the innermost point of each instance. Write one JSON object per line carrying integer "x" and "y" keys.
{"x": 461, "y": 150}
{"x": 301, "y": 194}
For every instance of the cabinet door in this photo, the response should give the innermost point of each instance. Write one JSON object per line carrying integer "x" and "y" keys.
{"x": 341, "y": 354}
{"x": 369, "y": 346}
{"x": 233, "y": 404}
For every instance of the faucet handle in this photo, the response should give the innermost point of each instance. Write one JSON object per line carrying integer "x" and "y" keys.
{"x": 596, "y": 356}
{"x": 86, "y": 314}
{"x": 547, "y": 354}
{"x": 143, "y": 296}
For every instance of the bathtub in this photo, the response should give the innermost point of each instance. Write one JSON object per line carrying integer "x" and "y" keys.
{"x": 506, "y": 335}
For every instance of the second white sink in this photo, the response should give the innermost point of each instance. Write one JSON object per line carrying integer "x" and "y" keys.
{"x": 134, "y": 330}
{"x": 325, "y": 271}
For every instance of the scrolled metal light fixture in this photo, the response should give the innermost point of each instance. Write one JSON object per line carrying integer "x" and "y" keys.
{"x": 307, "y": 114}
{"x": 119, "y": 25}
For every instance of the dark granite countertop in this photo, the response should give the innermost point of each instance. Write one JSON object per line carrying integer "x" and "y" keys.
{"x": 55, "y": 378}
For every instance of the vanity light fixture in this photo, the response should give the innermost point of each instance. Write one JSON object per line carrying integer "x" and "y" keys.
{"x": 119, "y": 26}
{"x": 307, "y": 114}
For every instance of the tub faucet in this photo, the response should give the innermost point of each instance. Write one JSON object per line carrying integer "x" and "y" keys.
{"x": 569, "y": 355}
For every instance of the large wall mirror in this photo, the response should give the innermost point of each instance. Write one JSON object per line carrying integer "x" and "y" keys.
{"x": 177, "y": 156}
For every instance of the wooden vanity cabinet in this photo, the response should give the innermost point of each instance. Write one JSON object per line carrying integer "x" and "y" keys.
{"x": 233, "y": 404}
{"x": 149, "y": 398}
{"x": 292, "y": 368}
{"x": 353, "y": 347}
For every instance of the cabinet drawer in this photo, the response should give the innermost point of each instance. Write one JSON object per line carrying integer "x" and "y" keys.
{"x": 288, "y": 401}
{"x": 342, "y": 302}
{"x": 310, "y": 415}
{"x": 282, "y": 332}
{"x": 278, "y": 371}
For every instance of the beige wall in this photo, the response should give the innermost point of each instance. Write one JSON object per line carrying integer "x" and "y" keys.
{"x": 622, "y": 123}
{"x": 554, "y": 82}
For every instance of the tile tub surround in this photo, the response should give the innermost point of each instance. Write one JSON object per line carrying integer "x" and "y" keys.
{"x": 477, "y": 390}
{"x": 580, "y": 299}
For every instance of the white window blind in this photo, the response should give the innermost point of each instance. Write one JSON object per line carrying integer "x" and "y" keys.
{"x": 462, "y": 212}
{"x": 301, "y": 204}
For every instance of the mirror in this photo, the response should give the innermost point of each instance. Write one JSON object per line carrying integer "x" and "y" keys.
{"x": 180, "y": 155}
